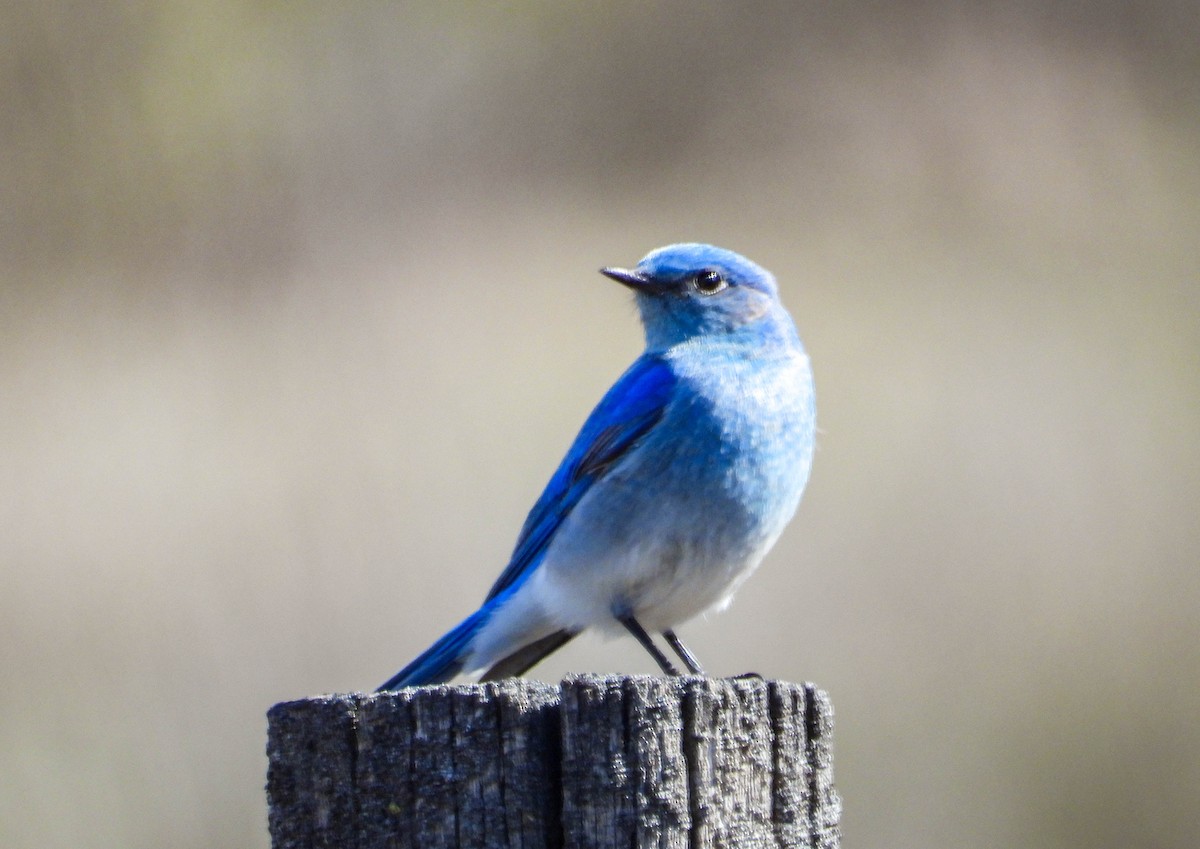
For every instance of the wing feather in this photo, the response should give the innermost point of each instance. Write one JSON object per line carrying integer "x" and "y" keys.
{"x": 630, "y": 410}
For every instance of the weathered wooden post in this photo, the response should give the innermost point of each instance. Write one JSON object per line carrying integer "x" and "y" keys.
{"x": 599, "y": 761}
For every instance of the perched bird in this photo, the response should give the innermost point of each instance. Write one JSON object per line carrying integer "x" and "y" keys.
{"x": 679, "y": 483}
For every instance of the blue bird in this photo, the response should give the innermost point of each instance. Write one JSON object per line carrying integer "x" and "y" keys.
{"x": 679, "y": 483}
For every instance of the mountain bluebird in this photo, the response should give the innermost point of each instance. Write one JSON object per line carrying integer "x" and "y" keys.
{"x": 679, "y": 483}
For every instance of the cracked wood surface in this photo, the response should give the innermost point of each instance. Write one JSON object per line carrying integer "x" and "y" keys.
{"x": 598, "y": 761}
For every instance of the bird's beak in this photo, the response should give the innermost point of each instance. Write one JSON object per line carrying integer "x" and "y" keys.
{"x": 635, "y": 280}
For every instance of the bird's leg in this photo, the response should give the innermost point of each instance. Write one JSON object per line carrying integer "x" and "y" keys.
{"x": 685, "y": 654}
{"x": 634, "y": 627}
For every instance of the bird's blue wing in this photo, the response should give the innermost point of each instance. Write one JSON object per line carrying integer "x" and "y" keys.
{"x": 632, "y": 407}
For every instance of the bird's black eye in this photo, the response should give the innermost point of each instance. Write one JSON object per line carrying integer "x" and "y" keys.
{"x": 709, "y": 282}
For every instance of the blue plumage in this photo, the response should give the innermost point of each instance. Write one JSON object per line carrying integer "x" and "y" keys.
{"x": 678, "y": 483}
{"x": 632, "y": 406}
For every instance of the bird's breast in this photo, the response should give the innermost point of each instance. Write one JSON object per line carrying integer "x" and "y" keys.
{"x": 684, "y": 516}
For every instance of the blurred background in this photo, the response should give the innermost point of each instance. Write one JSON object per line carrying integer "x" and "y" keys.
{"x": 299, "y": 310}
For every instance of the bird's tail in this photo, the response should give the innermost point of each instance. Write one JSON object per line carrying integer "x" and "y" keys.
{"x": 443, "y": 660}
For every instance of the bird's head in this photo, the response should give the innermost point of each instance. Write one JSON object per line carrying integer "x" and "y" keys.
{"x": 689, "y": 291}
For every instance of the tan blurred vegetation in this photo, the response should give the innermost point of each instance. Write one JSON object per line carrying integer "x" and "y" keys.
{"x": 298, "y": 311}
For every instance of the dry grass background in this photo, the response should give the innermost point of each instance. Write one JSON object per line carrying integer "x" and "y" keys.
{"x": 299, "y": 309}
